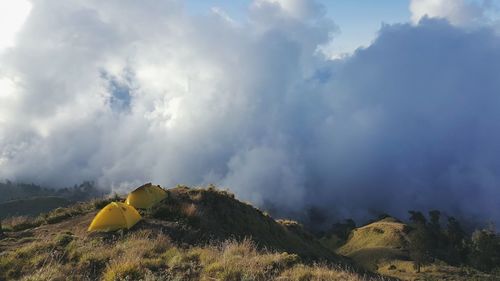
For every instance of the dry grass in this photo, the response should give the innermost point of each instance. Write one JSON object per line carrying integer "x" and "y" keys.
{"x": 288, "y": 223}
{"x": 189, "y": 210}
{"x": 151, "y": 256}
{"x": 380, "y": 234}
{"x": 318, "y": 273}
{"x": 242, "y": 261}
{"x": 376, "y": 242}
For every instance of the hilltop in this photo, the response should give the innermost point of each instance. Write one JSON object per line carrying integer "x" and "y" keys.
{"x": 386, "y": 239}
{"x": 194, "y": 234}
{"x": 383, "y": 246}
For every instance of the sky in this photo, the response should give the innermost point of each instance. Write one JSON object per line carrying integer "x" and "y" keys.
{"x": 357, "y": 21}
{"x": 346, "y": 106}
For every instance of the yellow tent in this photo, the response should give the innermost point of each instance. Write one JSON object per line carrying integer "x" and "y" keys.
{"x": 115, "y": 215}
{"x": 146, "y": 196}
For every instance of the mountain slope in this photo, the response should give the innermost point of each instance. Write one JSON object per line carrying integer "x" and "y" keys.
{"x": 31, "y": 206}
{"x": 211, "y": 214}
{"x": 195, "y": 234}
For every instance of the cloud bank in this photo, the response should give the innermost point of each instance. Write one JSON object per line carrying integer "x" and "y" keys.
{"x": 123, "y": 93}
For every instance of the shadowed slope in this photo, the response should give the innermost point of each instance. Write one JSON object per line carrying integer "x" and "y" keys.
{"x": 216, "y": 215}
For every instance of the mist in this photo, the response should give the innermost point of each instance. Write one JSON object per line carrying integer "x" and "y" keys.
{"x": 124, "y": 93}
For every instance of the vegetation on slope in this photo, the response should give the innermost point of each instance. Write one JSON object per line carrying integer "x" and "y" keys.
{"x": 148, "y": 255}
{"x": 195, "y": 234}
{"x": 423, "y": 250}
{"x": 213, "y": 214}
{"x": 206, "y": 234}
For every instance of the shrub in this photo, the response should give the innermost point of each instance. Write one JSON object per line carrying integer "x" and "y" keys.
{"x": 93, "y": 262}
{"x": 64, "y": 238}
{"x": 98, "y": 204}
{"x": 19, "y": 223}
{"x": 121, "y": 269}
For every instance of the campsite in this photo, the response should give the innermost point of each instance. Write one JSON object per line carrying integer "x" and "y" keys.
{"x": 250, "y": 140}
{"x": 202, "y": 233}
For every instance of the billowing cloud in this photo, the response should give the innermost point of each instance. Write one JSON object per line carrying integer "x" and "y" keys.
{"x": 457, "y": 12}
{"x": 12, "y": 15}
{"x": 123, "y": 93}
{"x": 300, "y": 9}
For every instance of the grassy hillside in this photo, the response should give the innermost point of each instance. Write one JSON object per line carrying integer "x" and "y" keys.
{"x": 195, "y": 234}
{"x": 147, "y": 255}
{"x": 383, "y": 247}
{"x": 384, "y": 239}
{"x": 205, "y": 234}
{"x": 210, "y": 214}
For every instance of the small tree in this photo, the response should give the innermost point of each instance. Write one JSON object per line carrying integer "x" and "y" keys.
{"x": 485, "y": 250}
{"x": 420, "y": 240}
{"x": 437, "y": 237}
{"x": 434, "y": 223}
{"x": 420, "y": 246}
{"x": 417, "y": 217}
{"x": 456, "y": 238}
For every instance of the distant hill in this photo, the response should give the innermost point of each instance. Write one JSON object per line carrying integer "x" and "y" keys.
{"x": 15, "y": 191}
{"x": 386, "y": 239}
{"x": 31, "y": 206}
{"x": 383, "y": 247}
{"x": 18, "y": 191}
{"x": 20, "y": 199}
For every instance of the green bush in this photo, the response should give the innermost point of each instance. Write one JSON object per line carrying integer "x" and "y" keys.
{"x": 64, "y": 239}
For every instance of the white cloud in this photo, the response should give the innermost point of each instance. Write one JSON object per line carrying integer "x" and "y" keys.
{"x": 458, "y": 12}
{"x": 13, "y": 13}
{"x": 125, "y": 93}
{"x": 300, "y": 9}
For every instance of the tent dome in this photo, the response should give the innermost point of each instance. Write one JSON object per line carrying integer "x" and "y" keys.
{"x": 115, "y": 215}
{"x": 146, "y": 196}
